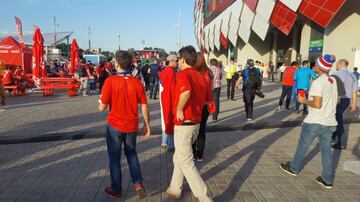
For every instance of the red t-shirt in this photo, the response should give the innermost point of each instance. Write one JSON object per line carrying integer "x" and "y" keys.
{"x": 8, "y": 77}
{"x": 100, "y": 71}
{"x": 168, "y": 81}
{"x": 288, "y": 76}
{"x": 191, "y": 80}
{"x": 123, "y": 94}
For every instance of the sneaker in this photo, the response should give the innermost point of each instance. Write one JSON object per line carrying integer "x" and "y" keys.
{"x": 140, "y": 191}
{"x": 296, "y": 112}
{"x": 279, "y": 108}
{"x": 199, "y": 159}
{"x": 173, "y": 195}
{"x": 249, "y": 119}
{"x": 233, "y": 99}
{"x": 338, "y": 146}
{"x": 112, "y": 194}
{"x": 286, "y": 168}
{"x": 320, "y": 181}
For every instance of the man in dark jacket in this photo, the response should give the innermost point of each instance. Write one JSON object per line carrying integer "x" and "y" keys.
{"x": 154, "y": 70}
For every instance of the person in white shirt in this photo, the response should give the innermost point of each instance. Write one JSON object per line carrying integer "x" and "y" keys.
{"x": 320, "y": 122}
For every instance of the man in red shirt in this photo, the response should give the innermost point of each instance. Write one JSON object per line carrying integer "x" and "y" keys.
{"x": 8, "y": 78}
{"x": 287, "y": 85}
{"x": 167, "y": 91}
{"x": 191, "y": 94}
{"x": 122, "y": 94}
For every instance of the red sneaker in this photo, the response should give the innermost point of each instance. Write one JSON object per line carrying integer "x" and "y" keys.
{"x": 109, "y": 192}
{"x": 140, "y": 191}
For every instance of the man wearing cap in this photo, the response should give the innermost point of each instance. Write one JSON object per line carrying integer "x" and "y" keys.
{"x": 252, "y": 81}
{"x": 230, "y": 70}
{"x": 167, "y": 77}
{"x": 351, "y": 87}
{"x": 320, "y": 122}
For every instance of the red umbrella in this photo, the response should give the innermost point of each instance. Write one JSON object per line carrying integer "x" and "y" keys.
{"x": 39, "y": 70}
{"x": 75, "y": 57}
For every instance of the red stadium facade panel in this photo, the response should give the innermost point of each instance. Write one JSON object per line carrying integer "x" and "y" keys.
{"x": 321, "y": 11}
{"x": 251, "y": 4}
{"x": 283, "y": 18}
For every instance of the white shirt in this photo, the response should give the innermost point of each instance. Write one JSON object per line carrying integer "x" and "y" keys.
{"x": 282, "y": 68}
{"x": 325, "y": 116}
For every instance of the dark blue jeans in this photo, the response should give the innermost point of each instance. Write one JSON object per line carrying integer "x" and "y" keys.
{"x": 114, "y": 140}
{"x": 340, "y": 131}
{"x": 308, "y": 133}
{"x": 154, "y": 88}
{"x": 286, "y": 92}
{"x": 216, "y": 94}
{"x": 92, "y": 84}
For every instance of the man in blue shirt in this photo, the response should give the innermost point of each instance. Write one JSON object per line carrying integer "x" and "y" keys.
{"x": 351, "y": 87}
{"x": 356, "y": 73}
{"x": 154, "y": 70}
{"x": 302, "y": 79}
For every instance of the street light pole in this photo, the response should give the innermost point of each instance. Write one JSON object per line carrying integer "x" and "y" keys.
{"x": 180, "y": 37}
{"x": 55, "y": 25}
{"x": 89, "y": 38}
{"x": 119, "y": 42}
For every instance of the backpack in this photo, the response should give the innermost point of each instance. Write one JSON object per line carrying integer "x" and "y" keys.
{"x": 340, "y": 86}
{"x": 254, "y": 79}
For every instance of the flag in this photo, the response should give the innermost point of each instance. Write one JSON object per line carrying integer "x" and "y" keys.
{"x": 19, "y": 30}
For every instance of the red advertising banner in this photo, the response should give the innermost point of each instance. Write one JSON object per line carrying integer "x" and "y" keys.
{"x": 214, "y": 7}
{"x": 19, "y": 30}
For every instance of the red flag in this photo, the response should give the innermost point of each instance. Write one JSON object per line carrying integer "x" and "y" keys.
{"x": 19, "y": 30}
{"x": 39, "y": 70}
{"x": 74, "y": 57}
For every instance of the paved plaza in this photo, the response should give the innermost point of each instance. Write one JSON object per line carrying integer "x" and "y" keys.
{"x": 53, "y": 149}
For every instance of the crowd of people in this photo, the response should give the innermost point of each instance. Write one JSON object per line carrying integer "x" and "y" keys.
{"x": 189, "y": 91}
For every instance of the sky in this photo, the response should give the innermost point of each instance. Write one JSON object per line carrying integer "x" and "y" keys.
{"x": 154, "y": 21}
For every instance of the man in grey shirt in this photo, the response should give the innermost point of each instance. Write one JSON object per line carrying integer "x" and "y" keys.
{"x": 351, "y": 88}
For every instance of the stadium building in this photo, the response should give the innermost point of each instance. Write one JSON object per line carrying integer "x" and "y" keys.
{"x": 278, "y": 31}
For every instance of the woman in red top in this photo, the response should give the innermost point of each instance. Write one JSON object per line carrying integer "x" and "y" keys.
{"x": 199, "y": 145}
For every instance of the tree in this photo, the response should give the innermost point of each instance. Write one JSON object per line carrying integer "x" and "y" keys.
{"x": 81, "y": 53}
{"x": 64, "y": 48}
{"x": 109, "y": 55}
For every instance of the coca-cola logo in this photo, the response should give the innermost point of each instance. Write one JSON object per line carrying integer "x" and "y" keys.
{"x": 6, "y": 46}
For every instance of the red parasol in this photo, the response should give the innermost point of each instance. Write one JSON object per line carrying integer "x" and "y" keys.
{"x": 39, "y": 70}
{"x": 75, "y": 57}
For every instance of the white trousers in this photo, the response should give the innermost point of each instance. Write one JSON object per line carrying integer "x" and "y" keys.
{"x": 184, "y": 166}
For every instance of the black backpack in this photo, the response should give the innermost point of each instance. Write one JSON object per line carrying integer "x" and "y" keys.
{"x": 254, "y": 79}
